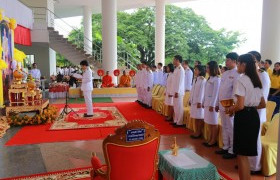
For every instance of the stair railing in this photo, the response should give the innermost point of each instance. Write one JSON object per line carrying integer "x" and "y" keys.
{"x": 64, "y": 29}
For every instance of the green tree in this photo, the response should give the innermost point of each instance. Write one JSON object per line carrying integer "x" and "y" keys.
{"x": 187, "y": 34}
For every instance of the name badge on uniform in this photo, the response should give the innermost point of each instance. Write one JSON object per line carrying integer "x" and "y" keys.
{"x": 231, "y": 77}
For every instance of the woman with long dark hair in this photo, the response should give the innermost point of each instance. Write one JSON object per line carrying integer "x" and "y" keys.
{"x": 211, "y": 102}
{"x": 168, "y": 93}
{"x": 248, "y": 98}
{"x": 196, "y": 99}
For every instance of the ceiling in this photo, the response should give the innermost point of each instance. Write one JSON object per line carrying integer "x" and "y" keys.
{"x": 70, "y": 8}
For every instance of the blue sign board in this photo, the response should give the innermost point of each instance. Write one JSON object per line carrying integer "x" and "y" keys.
{"x": 135, "y": 135}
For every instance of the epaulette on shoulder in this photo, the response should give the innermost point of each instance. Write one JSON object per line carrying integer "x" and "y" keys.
{"x": 261, "y": 70}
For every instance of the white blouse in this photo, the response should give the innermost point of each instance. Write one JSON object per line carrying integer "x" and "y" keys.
{"x": 244, "y": 87}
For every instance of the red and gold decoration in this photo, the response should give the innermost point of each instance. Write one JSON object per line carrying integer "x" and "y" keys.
{"x": 100, "y": 72}
{"x": 103, "y": 117}
{"x": 4, "y": 126}
{"x": 117, "y": 72}
{"x": 49, "y": 115}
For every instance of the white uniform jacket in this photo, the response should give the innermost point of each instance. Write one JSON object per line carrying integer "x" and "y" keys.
{"x": 197, "y": 91}
{"x": 149, "y": 80}
{"x": 228, "y": 80}
{"x": 188, "y": 79}
{"x": 36, "y": 73}
{"x": 211, "y": 91}
{"x": 178, "y": 84}
{"x": 87, "y": 81}
{"x": 169, "y": 84}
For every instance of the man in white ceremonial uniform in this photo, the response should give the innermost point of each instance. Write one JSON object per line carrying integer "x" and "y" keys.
{"x": 141, "y": 82}
{"x": 178, "y": 91}
{"x": 155, "y": 74}
{"x": 138, "y": 81}
{"x": 148, "y": 86}
{"x": 87, "y": 87}
{"x": 58, "y": 70}
{"x": 228, "y": 80}
{"x": 160, "y": 74}
{"x": 35, "y": 72}
{"x": 66, "y": 71}
{"x": 255, "y": 161}
{"x": 188, "y": 76}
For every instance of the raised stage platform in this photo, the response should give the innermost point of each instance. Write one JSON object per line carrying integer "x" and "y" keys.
{"x": 105, "y": 92}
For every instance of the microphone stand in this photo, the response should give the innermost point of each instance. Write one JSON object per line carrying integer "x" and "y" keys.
{"x": 67, "y": 107}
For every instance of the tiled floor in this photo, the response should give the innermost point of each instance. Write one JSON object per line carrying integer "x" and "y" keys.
{"x": 47, "y": 157}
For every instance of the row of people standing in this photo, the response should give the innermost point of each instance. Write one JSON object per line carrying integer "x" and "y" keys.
{"x": 204, "y": 100}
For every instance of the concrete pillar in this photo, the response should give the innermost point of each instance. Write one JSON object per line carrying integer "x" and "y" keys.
{"x": 52, "y": 57}
{"x": 50, "y": 12}
{"x": 270, "y": 40}
{"x": 87, "y": 29}
{"x": 160, "y": 32}
{"x": 109, "y": 36}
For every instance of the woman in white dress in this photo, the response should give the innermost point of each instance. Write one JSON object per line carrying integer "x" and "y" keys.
{"x": 248, "y": 98}
{"x": 168, "y": 94}
{"x": 196, "y": 98}
{"x": 210, "y": 102}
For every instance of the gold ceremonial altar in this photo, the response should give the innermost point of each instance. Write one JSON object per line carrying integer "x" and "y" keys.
{"x": 24, "y": 97}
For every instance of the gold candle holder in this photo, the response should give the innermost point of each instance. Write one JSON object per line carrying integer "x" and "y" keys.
{"x": 174, "y": 147}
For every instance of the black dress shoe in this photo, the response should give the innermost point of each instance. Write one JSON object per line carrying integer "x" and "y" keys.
{"x": 210, "y": 145}
{"x": 178, "y": 126}
{"x": 195, "y": 137}
{"x": 86, "y": 115}
{"x": 229, "y": 156}
{"x": 255, "y": 172}
{"x": 172, "y": 123}
{"x": 222, "y": 151}
{"x": 205, "y": 143}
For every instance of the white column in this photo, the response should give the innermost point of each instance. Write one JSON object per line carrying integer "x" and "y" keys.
{"x": 109, "y": 36}
{"x": 87, "y": 29}
{"x": 160, "y": 32}
{"x": 270, "y": 40}
{"x": 52, "y": 56}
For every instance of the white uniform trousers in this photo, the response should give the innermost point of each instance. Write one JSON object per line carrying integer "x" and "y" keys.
{"x": 148, "y": 97}
{"x": 255, "y": 161}
{"x": 178, "y": 110}
{"x": 141, "y": 94}
{"x": 227, "y": 130}
{"x": 138, "y": 93}
{"x": 88, "y": 100}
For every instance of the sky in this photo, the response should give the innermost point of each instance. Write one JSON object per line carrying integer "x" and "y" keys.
{"x": 244, "y": 16}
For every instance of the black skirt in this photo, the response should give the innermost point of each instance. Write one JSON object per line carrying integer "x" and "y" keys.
{"x": 246, "y": 131}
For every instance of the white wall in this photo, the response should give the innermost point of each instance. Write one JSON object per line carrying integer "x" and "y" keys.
{"x": 41, "y": 56}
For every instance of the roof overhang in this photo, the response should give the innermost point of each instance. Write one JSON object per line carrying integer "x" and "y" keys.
{"x": 70, "y": 8}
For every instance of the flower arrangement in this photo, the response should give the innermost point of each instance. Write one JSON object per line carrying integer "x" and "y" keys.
{"x": 117, "y": 72}
{"x": 13, "y": 23}
{"x": 49, "y": 115}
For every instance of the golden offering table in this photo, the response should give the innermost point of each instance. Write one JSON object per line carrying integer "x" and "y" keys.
{"x": 18, "y": 109}
{"x": 105, "y": 92}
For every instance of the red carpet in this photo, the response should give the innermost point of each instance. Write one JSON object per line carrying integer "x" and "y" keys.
{"x": 78, "y": 174}
{"x": 73, "y": 174}
{"x": 130, "y": 110}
